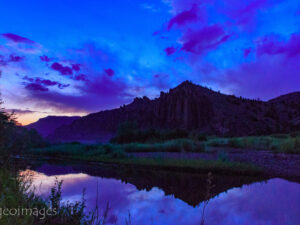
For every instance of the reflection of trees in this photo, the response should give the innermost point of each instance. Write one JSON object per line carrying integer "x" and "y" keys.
{"x": 191, "y": 188}
{"x": 208, "y": 195}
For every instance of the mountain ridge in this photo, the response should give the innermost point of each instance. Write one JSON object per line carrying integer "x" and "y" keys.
{"x": 192, "y": 107}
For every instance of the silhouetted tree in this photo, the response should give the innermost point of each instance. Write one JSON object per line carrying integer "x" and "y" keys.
{"x": 14, "y": 139}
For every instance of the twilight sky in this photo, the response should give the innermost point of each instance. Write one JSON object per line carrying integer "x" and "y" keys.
{"x": 71, "y": 57}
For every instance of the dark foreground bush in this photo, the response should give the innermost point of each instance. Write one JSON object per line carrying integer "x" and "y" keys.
{"x": 17, "y": 193}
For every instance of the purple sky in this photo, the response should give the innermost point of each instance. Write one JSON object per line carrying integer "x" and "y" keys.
{"x": 67, "y": 57}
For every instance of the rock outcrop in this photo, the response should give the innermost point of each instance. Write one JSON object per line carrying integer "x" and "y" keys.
{"x": 192, "y": 107}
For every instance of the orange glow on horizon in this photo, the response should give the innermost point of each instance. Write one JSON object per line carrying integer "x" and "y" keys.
{"x": 29, "y": 118}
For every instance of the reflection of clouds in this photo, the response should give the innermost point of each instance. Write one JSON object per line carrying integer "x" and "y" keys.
{"x": 276, "y": 202}
{"x": 153, "y": 194}
{"x": 43, "y": 183}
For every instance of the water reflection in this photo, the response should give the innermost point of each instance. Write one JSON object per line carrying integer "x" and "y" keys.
{"x": 188, "y": 187}
{"x": 275, "y": 202}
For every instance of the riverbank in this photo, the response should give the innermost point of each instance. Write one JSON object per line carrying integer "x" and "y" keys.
{"x": 272, "y": 164}
{"x": 176, "y": 165}
{"x": 104, "y": 154}
{"x": 191, "y": 155}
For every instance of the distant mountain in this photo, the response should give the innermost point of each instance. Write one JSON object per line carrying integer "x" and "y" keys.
{"x": 47, "y": 125}
{"x": 192, "y": 107}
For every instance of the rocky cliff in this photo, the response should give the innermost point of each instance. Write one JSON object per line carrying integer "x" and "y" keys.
{"x": 192, "y": 107}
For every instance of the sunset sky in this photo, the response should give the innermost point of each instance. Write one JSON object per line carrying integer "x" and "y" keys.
{"x": 64, "y": 57}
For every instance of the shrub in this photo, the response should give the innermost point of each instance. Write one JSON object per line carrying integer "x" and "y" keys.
{"x": 297, "y": 143}
{"x": 118, "y": 154}
{"x": 235, "y": 142}
{"x": 280, "y": 136}
{"x": 128, "y": 132}
{"x": 263, "y": 142}
{"x": 217, "y": 142}
{"x": 90, "y": 147}
{"x": 295, "y": 134}
{"x": 287, "y": 145}
{"x": 197, "y": 136}
{"x": 223, "y": 156}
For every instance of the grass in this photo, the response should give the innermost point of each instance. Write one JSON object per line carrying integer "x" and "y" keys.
{"x": 118, "y": 154}
{"x": 14, "y": 194}
{"x": 178, "y": 145}
{"x": 17, "y": 196}
{"x": 22, "y": 206}
{"x": 283, "y": 143}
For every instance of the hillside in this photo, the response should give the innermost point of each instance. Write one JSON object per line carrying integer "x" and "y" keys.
{"x": 288, "y": 107}
{"x": 47, "y": 125}
{"x": 192, "y": 107}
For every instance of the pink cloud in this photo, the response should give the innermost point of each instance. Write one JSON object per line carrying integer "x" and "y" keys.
{"x": 109, "y": 72}
{"x": 198, "y": 35}
{"x": 184, "y": 17}
{"x": 267, "y": 77}
{"x": 81, "y": 77}
{"x": 247, "y": 51}
{"x": 17, "y": 38}
{"x": 76, "y": 67}
{"x": 48, "y": 82}
{"x": 39, "y": 84}
{"x": 207, "y": 38}
{"x": 64, "y": 70}
{"x": 45, "y": 58}
{"x": 170, "y": 50}
{"x": 36, "y": 87}
{"x": 3, "y": 62}
{"x": 15, "y": 58}
{"x": 100, "y": 93}
{"x": 272, "y": 46}
{"x": 244, "y": 14}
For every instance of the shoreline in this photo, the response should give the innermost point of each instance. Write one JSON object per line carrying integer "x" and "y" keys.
{"x": 176, "y": 165}
{"x": 273, "y": 164}
{"x": 240, "y": 162}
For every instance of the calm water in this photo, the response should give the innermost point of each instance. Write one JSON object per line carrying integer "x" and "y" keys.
{"x": 162, "y": 198}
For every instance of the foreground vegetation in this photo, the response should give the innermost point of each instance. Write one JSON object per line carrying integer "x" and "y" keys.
{"x": 18, "y": 202}
{"x": 24, "y": 207}
{"x": 133, "y": 139}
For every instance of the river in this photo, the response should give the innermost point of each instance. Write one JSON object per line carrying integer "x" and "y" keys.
{"x": 168, "y": 198}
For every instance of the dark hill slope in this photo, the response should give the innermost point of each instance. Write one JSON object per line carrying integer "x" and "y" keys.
{"x": 288, "y": 108}
{"x": 47, "y": 125}
{"x": 187, "y": 106}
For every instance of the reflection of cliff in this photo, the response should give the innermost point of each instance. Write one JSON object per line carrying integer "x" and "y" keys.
{"x": 190, "y": 188}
